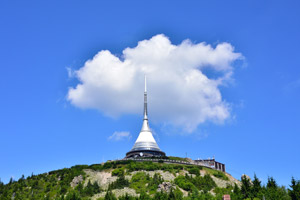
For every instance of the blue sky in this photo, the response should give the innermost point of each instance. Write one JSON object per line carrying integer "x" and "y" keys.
{"x": 41, "y": 130}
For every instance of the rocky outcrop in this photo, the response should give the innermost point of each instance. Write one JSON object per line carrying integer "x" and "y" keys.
{"x": 76, "y": 180}
{"x": 167, "y": 176}
{"x": 165, "y": 187}
{"x": 103, "y": 178}
{"x": 117, "y": 193}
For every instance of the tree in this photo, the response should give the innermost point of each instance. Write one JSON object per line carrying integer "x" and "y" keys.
{"x": 109, "y": 196}
{"x": 1, "y": 186}
{"x": 11, "y": 180}
{"x": 96, "y": 188}
{"x": 144, "y": 196}
{"x": 256, "y": 188}
{"x": 90, "y": 189}
{"x": 294, "y": 192}
{"x": 237, "y": 195}
{"x": 246, "y": 187}
{"x": 126, "y": 197}
{"x": 271, "y": 183}
{"x": 160, "y": 196}
{"x": 175, "y": 194}
{"x": 73, "y": 195}
{"x": 273, "y": 192}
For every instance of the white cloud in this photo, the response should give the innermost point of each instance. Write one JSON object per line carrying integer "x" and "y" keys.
{"x": 116, "y": 136}
{"x": 179, "y": 92}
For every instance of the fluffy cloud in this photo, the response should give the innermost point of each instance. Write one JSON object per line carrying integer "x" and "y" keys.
{"x": 179, "y": 92}
{"x": 117, "y": 136}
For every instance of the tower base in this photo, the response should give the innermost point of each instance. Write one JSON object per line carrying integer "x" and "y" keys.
{"x": 145, "y": 153}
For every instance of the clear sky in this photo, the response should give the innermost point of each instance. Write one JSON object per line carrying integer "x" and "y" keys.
{"x": 45, "y": 44}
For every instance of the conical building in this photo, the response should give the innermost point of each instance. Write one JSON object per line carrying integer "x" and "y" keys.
{"x": 145, "y": 145}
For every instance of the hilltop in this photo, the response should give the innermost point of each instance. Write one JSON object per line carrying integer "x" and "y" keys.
{"x": 130, "y": 180}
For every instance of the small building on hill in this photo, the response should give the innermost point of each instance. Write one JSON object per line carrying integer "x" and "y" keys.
{"x": 212, "y": 163}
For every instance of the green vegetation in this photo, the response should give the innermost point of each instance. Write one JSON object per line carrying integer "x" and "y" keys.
{"x": 52, "y": 185}
{"x": 194, "y": 170}
{"x": 191, "y": 183}
{"x": 120, "y": 183}
{"x": 142, "y": 182}
{"x": 118, "y": 172}
{"x": 177, "y": 158}
{"x": 56, "y": 184}
{"x": 217, "y": 174}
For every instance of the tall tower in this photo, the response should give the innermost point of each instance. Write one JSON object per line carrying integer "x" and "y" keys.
{"x": 145, "y": 145}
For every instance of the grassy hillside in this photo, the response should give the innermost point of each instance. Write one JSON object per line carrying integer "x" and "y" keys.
{"x": 139, "y": 180}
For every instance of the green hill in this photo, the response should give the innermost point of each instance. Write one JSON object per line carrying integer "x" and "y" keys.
{"x": 140, "y": 180}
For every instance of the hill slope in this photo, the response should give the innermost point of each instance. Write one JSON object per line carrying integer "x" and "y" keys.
{"x": 122, "y": 179}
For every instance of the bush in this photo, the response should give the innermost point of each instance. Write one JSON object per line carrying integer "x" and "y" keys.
{"x": 118, "y": 172}
{"x": 110, "y": 196}
{"x": 138, "y": 181}
{"x": 73, "y": 195}
{"x": 194, "y": 170}
{"x": 89, "y": 190}
{"x": 120, "y": 183}
{"x": 205, "y": 183}
{"x": 217, "y": 174}
{"x": 154, "y": 182}
{"x": 184, "y": 182}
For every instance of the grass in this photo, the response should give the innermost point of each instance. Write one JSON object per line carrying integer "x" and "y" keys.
{"x": 217, "y": 174}
{"x": 177, "y": 158}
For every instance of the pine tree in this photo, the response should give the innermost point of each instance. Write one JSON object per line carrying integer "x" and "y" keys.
{"x": 256, "y": 188}
{"x": 109, "y": 196}
{"x": 271, "y": 183}
{"x": 246, "y": 187}
{"x": 88, "y": 190}
{"x": 237, "y": 195}
{"x": 294, "y": 192}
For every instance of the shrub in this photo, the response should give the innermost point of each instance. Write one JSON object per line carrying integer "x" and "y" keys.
{"x": 110, "y": 196}
{"x": 120, "y": 183}
{"x": 118, "y": 172}
{"x": 184, "y": 182}
{"x": 194, "y": 170}
{"x": 138, "y": 181}
{"x": 217, "y": 174}
{"x": 90, "y": 189}
{"x": 154, "y": 182}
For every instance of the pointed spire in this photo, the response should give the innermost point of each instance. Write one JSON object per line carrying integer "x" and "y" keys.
{"x": 145, "y": 101}
{"x": 145, "y": 143}
{"x": 145, "y": 84}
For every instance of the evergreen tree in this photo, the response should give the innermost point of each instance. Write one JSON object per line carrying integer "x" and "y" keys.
{"x": 246, "y": 187}
{"x": 294, "y": 192}
{"x": 256, "y": 188}
{"x": 88, "y": 190}
{"x": 194, "y": 194}
{"x": 178, "y": 194}
{"x": 273, "y": 192}
{"x": 73, "y": 195}
{"x": 237, "y": 195}
{"x": 11, "y": 180}
{"x": 126, "y": 197}
{"x": 79, "y": 188}
{"x": 96, "y": 188}
{"x": 144, "y": 196}
{"x": 109, "y": 196}
{"x": 271, "y": 183}
{"x": 1, "y": 186}
{"x": 160, "y": 196}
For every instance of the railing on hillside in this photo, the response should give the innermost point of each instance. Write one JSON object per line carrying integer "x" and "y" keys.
{"x": 170, "y": 161}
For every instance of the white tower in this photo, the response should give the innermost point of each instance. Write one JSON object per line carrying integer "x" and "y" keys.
{"x": 145, "y": 145}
